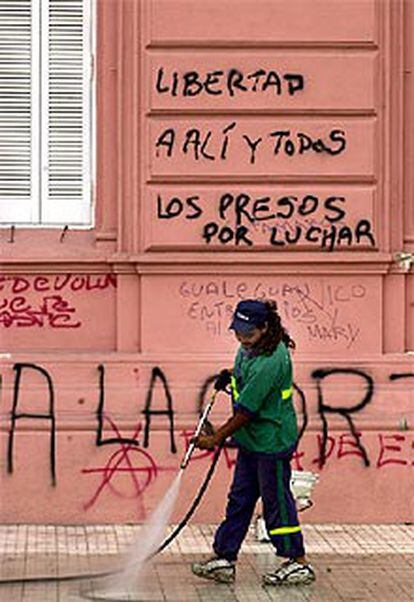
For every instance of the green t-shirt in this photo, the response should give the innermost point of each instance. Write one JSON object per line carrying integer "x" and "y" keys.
{"x": 262, "y": 387}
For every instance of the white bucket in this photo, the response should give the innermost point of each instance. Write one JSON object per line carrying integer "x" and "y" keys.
{"x": 302, "y": 483}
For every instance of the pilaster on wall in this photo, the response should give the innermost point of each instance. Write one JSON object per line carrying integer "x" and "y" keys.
{"x": 106, "y": 64}
{"x": 118, "y": 110}
{"x": 396, "y": 310}
{"x": 128, "y": 310}
{"x": 392, "y": 109}
{"x": 408, "y": 67}
{"x": 129, "y": 108}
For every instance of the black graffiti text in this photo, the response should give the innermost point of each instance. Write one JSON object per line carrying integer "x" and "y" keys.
{"x": 324, "y": 409}
{"x": 327, "y": 238}
{"x": 201, "y": 144}
{"x": 231, "y": 82}
{"x": 346, "y": 412}
{"x": 176, "y": 207}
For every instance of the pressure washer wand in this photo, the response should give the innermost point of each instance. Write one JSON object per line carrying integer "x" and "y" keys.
{"x": 201, "y": 422}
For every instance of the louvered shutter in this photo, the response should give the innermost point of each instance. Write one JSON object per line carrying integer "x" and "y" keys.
{"x": 52, "y": 128}
{"x": 66, "y": 103}
{"x": 18, "y": 95}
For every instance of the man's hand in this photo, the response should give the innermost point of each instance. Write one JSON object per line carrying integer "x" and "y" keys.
{"x": 238, "y": 420}
{"x": 206, "y": 441}
{"x": 223, "y": 379}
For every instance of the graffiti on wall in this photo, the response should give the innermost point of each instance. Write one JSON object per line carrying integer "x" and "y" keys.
{"x": 244, "y": 220}
{"x": 43, "y": 300}
{"x": 284, "y": 220}
{"x": 231, "y": 82}
{"x": 128, "y": 458}
{"x": 318, "y": 308}
{"x": 215, "y": 144}
{"x": 131, "y": 455}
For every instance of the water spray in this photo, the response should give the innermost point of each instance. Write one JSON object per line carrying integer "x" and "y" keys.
{"x": 151, "y": 538}
{"x": 176, "y": 531}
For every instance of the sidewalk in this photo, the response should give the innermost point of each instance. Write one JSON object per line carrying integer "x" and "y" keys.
{"x": 353, "y": 563}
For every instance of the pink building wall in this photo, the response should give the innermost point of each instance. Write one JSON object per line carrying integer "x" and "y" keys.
{"x": 202, "y": 201}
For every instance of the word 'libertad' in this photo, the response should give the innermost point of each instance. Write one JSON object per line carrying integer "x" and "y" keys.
{"x": 231, "y": 82}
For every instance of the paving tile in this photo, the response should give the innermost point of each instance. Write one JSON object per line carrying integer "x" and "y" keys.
{"x": 12, "y": 592}
{"x": 40, "y": 592}
{"x": 354, "y": 563}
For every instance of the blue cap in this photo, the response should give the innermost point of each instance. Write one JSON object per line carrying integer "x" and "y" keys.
{"x": 248, "y": 315}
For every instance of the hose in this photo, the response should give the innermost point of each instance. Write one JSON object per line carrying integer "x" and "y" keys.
{"x": 193, "y": 506}
{"x": 166, "y": 542}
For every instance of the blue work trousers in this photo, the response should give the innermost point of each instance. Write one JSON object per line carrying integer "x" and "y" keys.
{"x": 267, "y": 477}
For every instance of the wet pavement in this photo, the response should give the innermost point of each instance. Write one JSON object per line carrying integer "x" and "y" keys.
{"x": 352, "y": 563}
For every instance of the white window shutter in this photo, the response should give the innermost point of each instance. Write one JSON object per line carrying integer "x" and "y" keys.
{"x": 19, "y": 150}
{"x": 45, "y": 112}
{"x": 66, "y": 110}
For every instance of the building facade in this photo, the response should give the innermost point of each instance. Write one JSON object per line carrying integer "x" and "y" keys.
{"x": 236, "y": 149}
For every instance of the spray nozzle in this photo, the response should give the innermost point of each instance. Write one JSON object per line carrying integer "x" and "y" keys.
{"x": 201, "y": 423}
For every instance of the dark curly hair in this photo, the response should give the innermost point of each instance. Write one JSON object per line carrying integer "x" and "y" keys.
{"x": 275, "y": 332}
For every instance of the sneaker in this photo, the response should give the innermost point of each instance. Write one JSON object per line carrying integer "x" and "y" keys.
{"x": 217, "y": 569}
{"x": 290, "y": 572}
